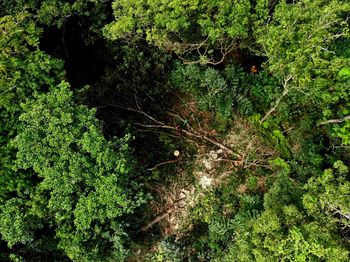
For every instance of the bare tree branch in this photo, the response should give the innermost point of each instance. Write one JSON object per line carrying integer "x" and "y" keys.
{"x": 163, "y": 163}
{"x": 286, "y": 89}
{"x": 165, "y": 214}
{"x": 197, "y": 135}
{"x": 335, "y": 121}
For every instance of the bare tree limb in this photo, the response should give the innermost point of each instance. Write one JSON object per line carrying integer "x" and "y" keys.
{"x": 286, "y": 89}
{"x": 335, "y": 121}
{"x": 165, "y": 214}
{"x": 158, "y": 218}
{"x": 197, "y": 135}
{"x": 163, "y": 163}
{"x": 193, "y": 133}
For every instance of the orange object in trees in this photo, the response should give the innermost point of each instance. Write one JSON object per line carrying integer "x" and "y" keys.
{"x": 253, "y": 69}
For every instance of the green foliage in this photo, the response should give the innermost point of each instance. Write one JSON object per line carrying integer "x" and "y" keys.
{"x": 169, "y": 250}
{"x": 58, "y": 12}
{"x": 264, "y": 90}
{"x": 240, "y": 87}
{"x": 205, "y": 208}
{"x": 223, "y": 213}
{"x": 182, "y": 26}
{"x": 285, "y": 232}
{"x": 309, "y": 49}
{"x": 177, "y": 17}
{"x": 296, "y": 31}
{"x": 215, "y": 92}
{"x": 82, "y": 174}
{"x": 8, "y": 7}
{"x": 252, "y": 183}
{"x": 281, "y": 142}
{"x": 336, "y": 103}
{"x": 328, "y": 195}
{"x": 16, "y": 226}
{"x": 69, "y": 191}
{"x": 24, "y": 70}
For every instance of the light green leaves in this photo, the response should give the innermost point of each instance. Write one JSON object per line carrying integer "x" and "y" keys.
{"x": 183, "y": 26}
{"x": 15, "y": 225}
{"x": 80, "y": 170}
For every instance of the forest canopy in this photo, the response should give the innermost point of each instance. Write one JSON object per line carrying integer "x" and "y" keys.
{"x": 168, "y": 130}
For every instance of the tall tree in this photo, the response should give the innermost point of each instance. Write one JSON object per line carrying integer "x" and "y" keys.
{"x": 299, "y": 40}
{"x": 184, "y": 26}
{"x": 80, "y": 193}
{"x": 24, "y": 70}
{"x": 287, "y": 231}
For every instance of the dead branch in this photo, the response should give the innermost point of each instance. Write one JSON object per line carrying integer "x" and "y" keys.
{"x": 160, "y": 124}
{"x": 195, "y": 134}
{"x": 286, "y": 89}
{"x": 163, "y": 163}
{"x": 158, "y": 218}
{"x": 165, "y": 214}
{"x": 347, "y": 216}
{"x": 335, "y": 121}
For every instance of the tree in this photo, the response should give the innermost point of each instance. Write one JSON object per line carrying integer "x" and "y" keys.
{"x": 24, "y": 70}
{"x": 16, "y": 225}
{"x": 285, "y": 231}
{"x": 185, "y": 27}
{"x": 57, "y": 12}
{"x": 81, "y": 176}
{"x": 337, "y": 103}
{"x": 299, "y": 44}
{"x": 328, "y": 195}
